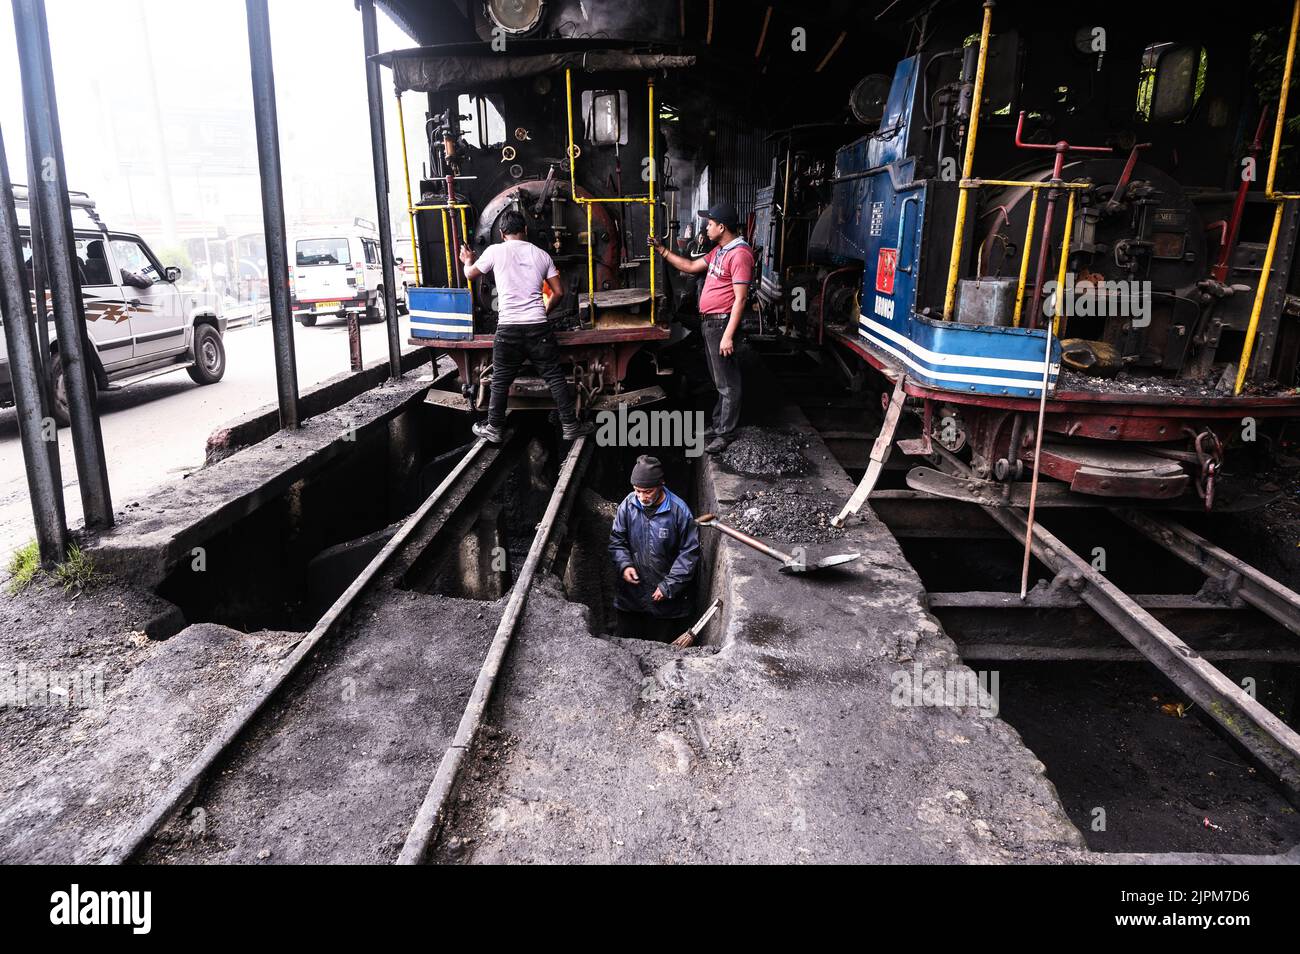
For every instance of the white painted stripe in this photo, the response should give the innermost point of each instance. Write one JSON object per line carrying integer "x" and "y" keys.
{"x": 456, "y": 316}
{"x": 939, "y": 358}
{"x": 986, "y": 380}
{"x": 446, "y": 329}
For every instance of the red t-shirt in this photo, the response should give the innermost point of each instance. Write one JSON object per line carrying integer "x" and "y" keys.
{"x": 732, "y": 264}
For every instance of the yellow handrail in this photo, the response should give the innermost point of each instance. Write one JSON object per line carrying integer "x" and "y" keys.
{"x": 1024, "y": 257}
{"x": 587, "y": 202}
{"x": 954, "y": 263}
{"x": 1065, "y": 257}
{"x": 410, "y": 207}
{"x": 1261, "y": 289}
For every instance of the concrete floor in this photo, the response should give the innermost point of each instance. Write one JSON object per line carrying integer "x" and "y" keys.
{"x": 155, "y": 431}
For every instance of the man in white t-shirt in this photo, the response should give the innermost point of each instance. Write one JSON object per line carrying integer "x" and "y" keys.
{"x": 523, "y": 332}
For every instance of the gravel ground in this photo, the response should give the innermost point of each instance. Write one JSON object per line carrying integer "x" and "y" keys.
{"x": 72, "y": 778}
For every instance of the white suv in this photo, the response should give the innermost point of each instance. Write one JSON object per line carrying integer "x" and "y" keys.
{"x": 140, "y": 323}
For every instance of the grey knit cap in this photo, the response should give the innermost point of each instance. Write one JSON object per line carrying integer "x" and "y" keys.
{"x": 648, "y": 472}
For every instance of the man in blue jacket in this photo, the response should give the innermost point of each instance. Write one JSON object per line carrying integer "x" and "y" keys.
{"x": 656, "y": 549}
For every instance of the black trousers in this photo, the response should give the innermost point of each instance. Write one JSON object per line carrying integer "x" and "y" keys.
{"x": 511, "y": 347}
{"x": 644, "y": 626}
{"x": 725, "y": 373}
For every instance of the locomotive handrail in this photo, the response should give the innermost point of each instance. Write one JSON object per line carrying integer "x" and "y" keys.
{"x": 444, "y": 208}
{"x": 648, "y": 200}
{"x": 1280, "y": 198}
{"x": 968, "y": 163}
{"x": 410, "y": 208}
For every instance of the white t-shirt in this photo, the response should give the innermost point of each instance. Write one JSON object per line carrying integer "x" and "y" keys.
{"x": 520, "y": 268}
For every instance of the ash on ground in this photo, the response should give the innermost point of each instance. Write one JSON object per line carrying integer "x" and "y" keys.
{"x": 785, "y": 515}
{"x": 761, "y": 452}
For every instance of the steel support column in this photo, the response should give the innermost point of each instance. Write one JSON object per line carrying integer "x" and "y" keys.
{"x": 268, "y": 165}
{"x": 379, "y": 156}
{"x": 48, "y": 200}
{"x": 44, "y": 481}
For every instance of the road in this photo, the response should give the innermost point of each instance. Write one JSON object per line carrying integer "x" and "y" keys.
{"x": 156, "y": 431}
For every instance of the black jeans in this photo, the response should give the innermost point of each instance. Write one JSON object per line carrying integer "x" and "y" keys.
{"x": 725, "y": 373}
{"x": 512, "y": 346}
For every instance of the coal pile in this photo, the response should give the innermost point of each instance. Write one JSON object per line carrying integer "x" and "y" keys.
{"x": 784, "y": 515}
{"x": 1124, "y": 383}
{"x": 759, "y": 452}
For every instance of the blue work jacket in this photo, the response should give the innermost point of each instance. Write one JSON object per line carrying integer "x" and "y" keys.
{"x": 664, "y": 546}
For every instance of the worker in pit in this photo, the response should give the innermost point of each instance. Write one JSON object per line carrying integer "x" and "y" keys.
{"x": 524, "y": 331}
{"x": 656, "y": 549}
{"x": 728, "y": 271}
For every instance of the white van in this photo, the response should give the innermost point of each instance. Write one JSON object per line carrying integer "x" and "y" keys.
{"x": 336, "y": 272}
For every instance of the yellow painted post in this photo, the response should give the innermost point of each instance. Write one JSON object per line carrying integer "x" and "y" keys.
{"x": 591, "y": 268}
{"x": 1280, "y": 122}
{"x": 653, "y": 175}
{"x": 406, "y": 169}
{"x": 1024, "y": 258}
{"x": 446, "y": 247}
{"x": 1065, "y": 258}
{"x": 963, "y": 198}
{"x": 1258, "y": 306}
{"x": 568, "y": 102}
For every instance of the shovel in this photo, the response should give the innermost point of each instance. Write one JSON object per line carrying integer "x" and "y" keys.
{"x": 788, "y": 563}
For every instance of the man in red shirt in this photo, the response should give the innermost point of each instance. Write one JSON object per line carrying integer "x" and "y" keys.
{"x": 730, "y": 268}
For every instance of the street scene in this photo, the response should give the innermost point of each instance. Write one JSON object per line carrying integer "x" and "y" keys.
{"x": 545, "y": 432}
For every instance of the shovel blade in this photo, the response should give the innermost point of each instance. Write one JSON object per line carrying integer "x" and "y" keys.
{"x": 825, "y": 563}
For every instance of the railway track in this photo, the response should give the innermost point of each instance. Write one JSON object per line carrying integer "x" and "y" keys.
{"x": 223, "y": 752}
{"x": 1144, "y": 621}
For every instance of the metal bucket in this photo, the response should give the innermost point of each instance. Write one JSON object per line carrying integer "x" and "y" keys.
{"x": 986, "y": 301}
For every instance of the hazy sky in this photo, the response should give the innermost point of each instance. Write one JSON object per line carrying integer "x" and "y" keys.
{"x": 147, "y": 84}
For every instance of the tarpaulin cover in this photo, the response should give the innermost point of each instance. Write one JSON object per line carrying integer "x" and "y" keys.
{"x": 435, "y": 74}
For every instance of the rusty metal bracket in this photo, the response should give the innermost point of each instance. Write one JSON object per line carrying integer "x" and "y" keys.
{"x": 879, "y": 454}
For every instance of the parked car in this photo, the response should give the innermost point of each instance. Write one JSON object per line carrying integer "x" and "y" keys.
{"x": 337, "y": 272}
{"x": 140, "y": 323}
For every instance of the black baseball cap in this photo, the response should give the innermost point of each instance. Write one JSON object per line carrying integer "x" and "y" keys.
{"x": 723, "y": 212}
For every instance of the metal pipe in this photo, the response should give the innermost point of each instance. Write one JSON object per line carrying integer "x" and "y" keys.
{"x": 446, "y": 249}
{"x": 41, "y": 308}
{"x": 410, "y": 202}
{"x": 1050, "y": 328}
{"x": 1248, "y": 346}
{"x": 1280, "y": 123}
{"x": 591, "y": 267}
{"x": 650, "y": 199}
{"x": 268, "y": 164}
{"x": 44, "y": 480}
{"x": 432, "y": 810}
{"x": 379, "y": 157}
{"x": 50, "y": 191}
{"x": 968, "y": 164}
{"x": 1024, "y": 257}
{"x": 1061, "y": 268}
{"x": 1233, "y": 226}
